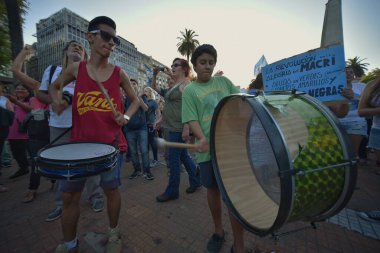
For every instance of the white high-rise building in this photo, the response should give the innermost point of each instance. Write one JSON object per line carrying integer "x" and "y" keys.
{"x": 54, "y": 32}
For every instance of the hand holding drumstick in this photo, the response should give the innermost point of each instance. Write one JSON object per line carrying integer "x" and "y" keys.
{"x": 119, "y": 117}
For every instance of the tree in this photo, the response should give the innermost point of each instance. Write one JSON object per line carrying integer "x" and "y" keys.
{"x": 357, "y": 65}
{"x": 373, "y": 74}
{"x": 187, "y": 43}
{"x": 11, "y": 40}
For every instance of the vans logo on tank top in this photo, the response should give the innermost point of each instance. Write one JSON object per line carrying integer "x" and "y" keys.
{"x": 93, "y": 101}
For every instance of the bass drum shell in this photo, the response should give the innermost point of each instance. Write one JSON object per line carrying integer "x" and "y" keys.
{"x": 280, "y": 158}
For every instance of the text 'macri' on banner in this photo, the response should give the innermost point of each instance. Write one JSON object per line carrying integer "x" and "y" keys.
{"x": 319, "y": 72}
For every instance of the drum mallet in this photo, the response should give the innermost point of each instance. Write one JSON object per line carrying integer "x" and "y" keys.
{"x": 166, "y": 144}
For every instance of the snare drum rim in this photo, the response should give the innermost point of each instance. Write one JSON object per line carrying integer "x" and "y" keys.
{"x": 76, "y": 161}
{"x": 348, "y": 154}
{"x": 278, "y": 144}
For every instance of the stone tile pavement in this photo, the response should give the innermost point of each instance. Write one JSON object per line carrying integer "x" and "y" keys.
{"x": 182, "y": 226}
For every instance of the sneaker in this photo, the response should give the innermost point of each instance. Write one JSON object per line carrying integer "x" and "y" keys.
{"x": 29, "y": 196}
{"x": 3, "y": 188}
{"x": 62, "y": 249}
{"x": 149, "y": 176}
{"x": 97, "y": 205}
{"x": 154, "y": 163}
{"x": 135, "y": 174}
{"x": 215, "y": 243}
{"x": 54, "y": 215}
{"x": 372, "y": 216}
{"x": 114, "y": 243}
{"x": 165, "y": 198}
{"x": 191, "y": 189}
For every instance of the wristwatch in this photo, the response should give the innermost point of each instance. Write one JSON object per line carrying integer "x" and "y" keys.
{"x": 127, "y": 117}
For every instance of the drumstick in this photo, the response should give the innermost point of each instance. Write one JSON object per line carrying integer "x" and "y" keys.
{"x": 104, "y": 91}
{"x": 60, "y": 92}
{"x": 162, "y": 143}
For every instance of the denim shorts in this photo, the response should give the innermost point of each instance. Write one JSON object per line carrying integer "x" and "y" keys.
{"x": 109, "y": 180}
{"x": 357, "y": 128}
{"x": 374, "y": 138}
{"x": 208, "y": 179}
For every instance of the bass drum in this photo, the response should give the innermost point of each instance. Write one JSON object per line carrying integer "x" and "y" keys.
{"x": 280, "y": 158}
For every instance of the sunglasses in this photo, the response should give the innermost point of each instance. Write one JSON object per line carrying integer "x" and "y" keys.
{"x": 106, "y": 36}
{"x": 175, "y": 65}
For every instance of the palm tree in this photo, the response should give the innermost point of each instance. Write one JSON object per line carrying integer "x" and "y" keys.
{"x": 187, "y": 43}
{"x": 11, "y": 40}
{"x": 357, "y": 65}
{"x": 15, "y": 10}
{"x": 373, "y": 74}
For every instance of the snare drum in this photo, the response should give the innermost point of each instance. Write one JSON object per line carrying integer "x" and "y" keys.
{"x": 73, "y": 161}
{"x": 280, "y": 158}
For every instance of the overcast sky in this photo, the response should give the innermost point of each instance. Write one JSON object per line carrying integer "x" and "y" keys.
{"x": 241, "y": 30}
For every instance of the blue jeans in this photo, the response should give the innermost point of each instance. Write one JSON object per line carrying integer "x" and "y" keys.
{"x": 137, "y": 138}
{"x": 176, "y": 157}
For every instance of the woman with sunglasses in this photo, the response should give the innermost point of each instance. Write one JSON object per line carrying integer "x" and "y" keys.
{"x": 176, "y": 131}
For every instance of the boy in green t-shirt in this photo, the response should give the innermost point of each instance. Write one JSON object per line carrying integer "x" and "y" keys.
{"x": 199, "y": 100}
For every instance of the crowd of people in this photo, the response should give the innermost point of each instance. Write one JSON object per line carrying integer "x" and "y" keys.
{"x": 50, "y": 112}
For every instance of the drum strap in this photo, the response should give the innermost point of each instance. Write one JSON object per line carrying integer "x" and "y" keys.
{"x": 58, "y": 137}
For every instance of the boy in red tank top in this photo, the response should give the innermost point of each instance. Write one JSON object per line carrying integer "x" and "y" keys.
{"x": 94, "y": 120}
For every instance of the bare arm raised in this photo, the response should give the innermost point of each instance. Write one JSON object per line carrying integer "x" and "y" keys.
{"x": 26, "y": 80}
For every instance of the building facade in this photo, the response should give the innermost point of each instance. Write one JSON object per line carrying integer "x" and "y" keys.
{"x": 54, "y": 32}
{"x": 145, "y": 72}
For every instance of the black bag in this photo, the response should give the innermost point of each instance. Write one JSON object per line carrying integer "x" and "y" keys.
{"x": 6, "y": 117}
{"x": 36, "y": 124}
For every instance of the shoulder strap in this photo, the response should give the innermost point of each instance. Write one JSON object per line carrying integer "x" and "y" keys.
{"x": 51, "y": 73}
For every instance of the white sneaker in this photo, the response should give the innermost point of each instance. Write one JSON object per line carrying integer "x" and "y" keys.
{"x": 154, "y": 163}
{"x": 62, "y": 249}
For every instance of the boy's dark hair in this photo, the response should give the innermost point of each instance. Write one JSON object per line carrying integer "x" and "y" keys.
{"x": 101, "y": 20}
{"x": 205, "y": 48}
{"x": 257, "y": 83}
{"x": 133, "y": 80}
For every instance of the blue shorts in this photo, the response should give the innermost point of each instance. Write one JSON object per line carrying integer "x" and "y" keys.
{"x": 208, "y": 179}
{"x": 374, "y": 139}
{"x": 357, "y": 128}
{"x": 109, "y": 180}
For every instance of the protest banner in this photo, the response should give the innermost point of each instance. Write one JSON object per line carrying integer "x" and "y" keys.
{"x": 319, "y": 73}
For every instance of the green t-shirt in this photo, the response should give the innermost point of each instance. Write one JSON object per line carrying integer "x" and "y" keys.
{"x": 199, "y": 101}
{"x": 172, "y": 110}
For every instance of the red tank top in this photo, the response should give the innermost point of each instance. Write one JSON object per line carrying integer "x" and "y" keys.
{"x": 93, "y": 119}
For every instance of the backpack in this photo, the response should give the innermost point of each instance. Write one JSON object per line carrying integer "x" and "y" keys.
{"x": 138, "y": 119}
